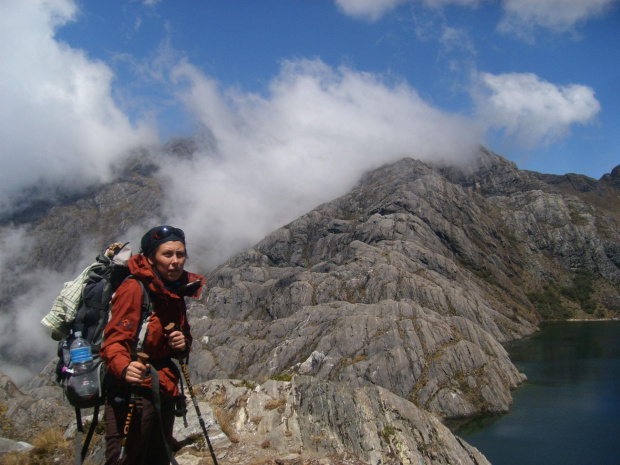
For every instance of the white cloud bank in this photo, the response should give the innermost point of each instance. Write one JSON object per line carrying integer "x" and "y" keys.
{"x": 530, "y": 110}
{"x": 271, "y": 159}
{"x": 58, "y": 120}
{"x": 267, "y": 160}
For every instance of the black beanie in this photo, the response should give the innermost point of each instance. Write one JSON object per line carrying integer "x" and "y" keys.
{"x": 157, "y": 236}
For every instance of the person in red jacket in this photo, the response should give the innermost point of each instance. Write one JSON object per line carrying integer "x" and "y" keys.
{"x": 160, "y": 268}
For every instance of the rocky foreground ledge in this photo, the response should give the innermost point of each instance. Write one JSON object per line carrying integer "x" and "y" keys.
{"x": 301, "y": 421}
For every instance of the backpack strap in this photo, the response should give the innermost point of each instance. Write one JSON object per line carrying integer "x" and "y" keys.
{"x": 145, "y": 317}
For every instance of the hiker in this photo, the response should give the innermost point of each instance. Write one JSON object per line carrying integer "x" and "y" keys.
{"x": 160, "y": 268}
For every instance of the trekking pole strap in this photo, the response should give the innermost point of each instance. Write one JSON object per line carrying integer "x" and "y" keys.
{"x": 133, "y": 399}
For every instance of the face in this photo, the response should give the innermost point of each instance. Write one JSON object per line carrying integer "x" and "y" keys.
{"x": 169, "y": 260}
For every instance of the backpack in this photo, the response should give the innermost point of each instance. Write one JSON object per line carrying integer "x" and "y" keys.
{"x": 84, "y": 306}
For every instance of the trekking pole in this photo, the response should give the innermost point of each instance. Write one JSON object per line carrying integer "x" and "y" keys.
{"x": 168, "y": 329}
{"x": 142, "y": 357}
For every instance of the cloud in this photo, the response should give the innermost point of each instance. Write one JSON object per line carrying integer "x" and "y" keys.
{"x": 21, "y": 339}
{"x": 530, "y": 110}
{"x": 266, "y": 160}
{"x": 370, "y": 10}
{"x": 58, "y": 120}
{"x": 522, "y": 16}
{"x": 373, "y": 10}
{"x": 453, "y": 39}
{"x": 26, "y": 342}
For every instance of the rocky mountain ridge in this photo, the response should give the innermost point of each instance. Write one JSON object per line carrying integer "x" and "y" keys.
{"x": 350, "y": 333}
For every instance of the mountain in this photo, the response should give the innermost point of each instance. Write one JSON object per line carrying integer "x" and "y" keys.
{"x": 353, "y": 333}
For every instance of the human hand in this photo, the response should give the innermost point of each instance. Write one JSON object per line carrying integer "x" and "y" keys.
{"x": 176, "y": 341}
{"x": 136, "y": 372}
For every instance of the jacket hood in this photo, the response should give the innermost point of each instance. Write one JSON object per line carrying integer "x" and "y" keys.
{"x": 191, "y": 283}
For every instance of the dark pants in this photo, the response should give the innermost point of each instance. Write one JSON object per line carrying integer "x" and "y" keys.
{"x": 145, "y": 440}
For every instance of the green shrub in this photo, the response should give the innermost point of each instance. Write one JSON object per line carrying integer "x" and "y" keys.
{"x": 282, "y": 377}
{"x": 548, "y": 303}
{"x": 581, "y": 291}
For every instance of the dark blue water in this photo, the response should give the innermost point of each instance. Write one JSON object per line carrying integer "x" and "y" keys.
{"x": 569, "y": 411}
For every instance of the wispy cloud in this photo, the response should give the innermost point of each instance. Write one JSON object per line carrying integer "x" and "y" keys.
{"x": 20, "y": 321}
{"x": 373, "y": 10}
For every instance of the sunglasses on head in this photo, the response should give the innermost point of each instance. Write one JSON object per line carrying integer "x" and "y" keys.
{"x": 166, "y": 231}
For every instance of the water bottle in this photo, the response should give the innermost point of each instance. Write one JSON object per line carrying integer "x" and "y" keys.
{"x": 84, "y": 382}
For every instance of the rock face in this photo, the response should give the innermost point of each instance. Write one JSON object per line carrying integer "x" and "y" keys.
{"x": 306, "y": 418}
{"x": 28, "y": 412}
{"x": 408, "y": 283}
{"x": 349, "y": 334}
{"x": 445, "y": 364}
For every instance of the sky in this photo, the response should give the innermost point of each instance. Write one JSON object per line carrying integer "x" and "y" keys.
{"x": 291, "y": 101}
{"x": 84, "y": 82}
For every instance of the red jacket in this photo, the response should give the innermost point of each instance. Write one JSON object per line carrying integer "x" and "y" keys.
{"x": 120, "y": 333}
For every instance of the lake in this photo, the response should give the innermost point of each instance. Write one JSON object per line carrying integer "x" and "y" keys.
{"x": 569, "y": 410}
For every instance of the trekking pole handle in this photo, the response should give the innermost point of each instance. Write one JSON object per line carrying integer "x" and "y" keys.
{"x": 142, "y": 358}
{"x": 168, "y": 329}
